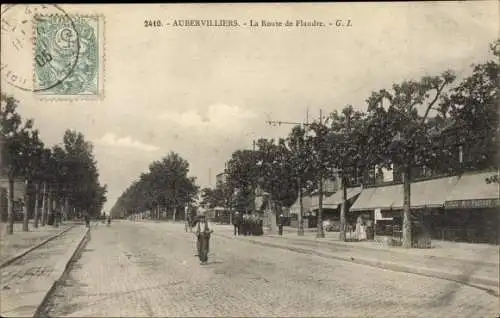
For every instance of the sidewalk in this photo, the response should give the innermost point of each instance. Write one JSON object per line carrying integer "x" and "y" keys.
{"x": 25, "y": 283}
{"x": 441, "y": 249}
{"x": 19, "y": 241}
{"x": 473, "y": 264}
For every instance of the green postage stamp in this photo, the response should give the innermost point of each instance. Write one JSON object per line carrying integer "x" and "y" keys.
{"x": 69, "y": 56}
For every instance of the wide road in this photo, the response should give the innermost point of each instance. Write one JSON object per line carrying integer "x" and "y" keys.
{"x": 149, "y": 269}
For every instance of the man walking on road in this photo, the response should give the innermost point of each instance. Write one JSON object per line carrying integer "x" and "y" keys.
{"x": 237, "y": 223}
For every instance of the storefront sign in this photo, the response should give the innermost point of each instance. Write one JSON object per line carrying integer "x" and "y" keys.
{"x": 472, "y": 204}
{"x": 379, "y": 216}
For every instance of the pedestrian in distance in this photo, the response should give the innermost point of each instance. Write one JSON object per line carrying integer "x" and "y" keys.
{"x": 237, "y": 223}
{"x": 255, "y": 224}
{"x": 261, "y": 227}
{"x": 87, "y": 220}
{"x": 281, "y": 222}
{"x": 245, "y": 224}
{"x": 188, "y": 221}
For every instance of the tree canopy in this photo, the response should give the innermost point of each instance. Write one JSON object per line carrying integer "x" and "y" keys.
{"x": 68, "y": 170}
{"x": 166, "y": 185}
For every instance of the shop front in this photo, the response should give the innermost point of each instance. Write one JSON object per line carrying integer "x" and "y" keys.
{"x": 385, "y": 204}
{"x": 373, "y": 209}
{"x": 471, "y": 211}
{"x": 332, "y": 206}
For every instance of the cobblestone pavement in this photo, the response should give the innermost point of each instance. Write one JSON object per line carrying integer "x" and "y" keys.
{"x": 25, "y": 282}
{"x": 149, "y": 269}
{"x": 11, "y": 245}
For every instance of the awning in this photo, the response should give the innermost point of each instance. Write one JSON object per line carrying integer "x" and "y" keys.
{"x": 326, "y": 204}
{"x": 362, "y": 203}
{"x": 336, "y": 199}
{"x": 379, "y": 198}
{"x": 429, "y": 193}
{"x": 473, "y": 192}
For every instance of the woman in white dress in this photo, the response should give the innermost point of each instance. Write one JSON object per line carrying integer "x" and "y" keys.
{"x": 360, "y": 229}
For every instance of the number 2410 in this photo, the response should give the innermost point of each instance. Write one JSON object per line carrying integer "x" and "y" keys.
{"x": 152, "y": 23}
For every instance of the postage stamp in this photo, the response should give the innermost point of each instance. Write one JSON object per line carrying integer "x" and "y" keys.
{"x": 68, "y": 56}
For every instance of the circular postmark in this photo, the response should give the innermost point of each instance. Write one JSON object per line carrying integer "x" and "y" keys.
{"x": 40, "y": 46}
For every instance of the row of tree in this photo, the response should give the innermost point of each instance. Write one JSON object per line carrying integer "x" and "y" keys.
{"x": 429, "y": 123}
{"x": 62, "y": 178}
{"x": 165, "y": 187}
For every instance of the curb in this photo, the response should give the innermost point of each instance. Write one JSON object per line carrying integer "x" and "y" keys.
{"x": 58, "y": 276}
{"x": 26, "y": 251}
{"x": 389, "y": 249}
{"x": 476, "y": 282}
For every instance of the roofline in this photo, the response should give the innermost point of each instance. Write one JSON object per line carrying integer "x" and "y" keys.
{"x": 440, "y": 176}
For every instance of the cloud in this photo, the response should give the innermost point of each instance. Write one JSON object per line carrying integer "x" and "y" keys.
{"x": 219, "y": 117}
{"x": 110, "y": 139}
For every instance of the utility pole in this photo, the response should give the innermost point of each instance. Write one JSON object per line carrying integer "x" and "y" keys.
{"x": 300, "y": 228}
{"x": 320, "y": 233}
{"x": 210, "y": 177}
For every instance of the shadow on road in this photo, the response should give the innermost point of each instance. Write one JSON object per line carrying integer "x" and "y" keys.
{"x": 452, "y": 288}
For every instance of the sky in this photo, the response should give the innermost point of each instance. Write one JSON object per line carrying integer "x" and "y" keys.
{"x": 205, "y": 92}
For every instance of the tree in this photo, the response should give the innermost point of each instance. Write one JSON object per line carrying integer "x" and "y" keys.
{"x": 403, "y": 137}
{"x": 46, "y": 175}
{"x": 320, "y": 165}
{"x": 275, "y": 176}
{"x": 346, "y": 144}
{"x": 165, "y": 185}
{"x": 30, "y": 153}
{"x": 16, "y": 147}
{"x": 474, "y": 114}
{"x": 212, "y": 198}
{"x": 276, "y": 172}
{"x": 303, "y": 167}
{"x": 243, "y": 177}
{"x": 169, "y": 183}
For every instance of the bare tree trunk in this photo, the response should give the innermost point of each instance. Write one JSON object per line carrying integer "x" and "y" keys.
{"x": 62, "y": 211}
{"x": 343, "y": 207}
{"x": 175, "y": 212}
{"x": 26, "y": 206}
{"x": 407, "y": 226}
{"x": 52, "y": 202}
{"x": 10, "y": 206}
{"x": 44, "y": 204}
{"x": 66, "y": 208}
{"x": 300, "y": 218}
{"x": 2, "y": 204}
{"x": 321, "y": 232}
{"x": 271, "y": 215}
{"x": 37, "y": 208}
